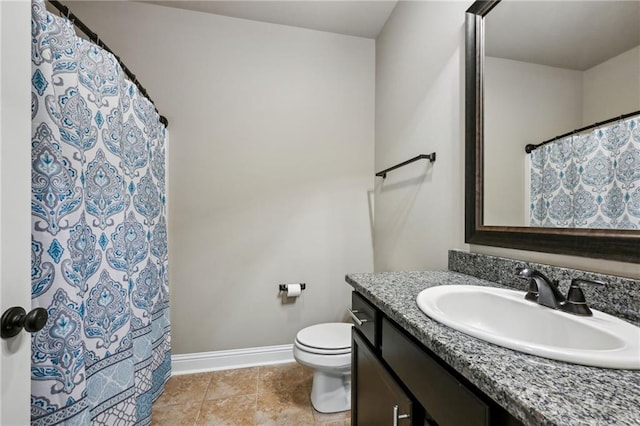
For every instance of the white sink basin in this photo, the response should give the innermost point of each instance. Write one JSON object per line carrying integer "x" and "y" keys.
{"x": 505, "y": 318}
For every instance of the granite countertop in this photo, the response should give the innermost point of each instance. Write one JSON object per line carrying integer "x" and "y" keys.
{"x": 537, "y": 391}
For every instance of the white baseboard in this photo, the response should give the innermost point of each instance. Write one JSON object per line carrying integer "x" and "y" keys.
{"x": 227, "y": 360}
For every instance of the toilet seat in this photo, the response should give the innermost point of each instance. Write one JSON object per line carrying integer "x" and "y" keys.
{"x": 325, "y": 339}
{"x": 319, "y": 351}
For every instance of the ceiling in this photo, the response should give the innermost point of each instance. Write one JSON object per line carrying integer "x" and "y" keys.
{"x": 361, "y": 18}
{"x": 566, "y": 34}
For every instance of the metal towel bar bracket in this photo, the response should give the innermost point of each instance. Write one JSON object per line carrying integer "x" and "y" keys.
{"x": 431, "y": 157}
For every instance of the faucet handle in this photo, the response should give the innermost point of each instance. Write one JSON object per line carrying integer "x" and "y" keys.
{"x": 576, "y": 303}
{"x": 578, "y": 281}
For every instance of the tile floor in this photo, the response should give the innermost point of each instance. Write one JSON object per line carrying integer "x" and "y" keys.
{"x": 270, "y": 395}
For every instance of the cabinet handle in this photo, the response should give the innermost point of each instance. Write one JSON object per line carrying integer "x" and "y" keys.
{"x": 355, "y": 317}
{"x": 397, "y": 416}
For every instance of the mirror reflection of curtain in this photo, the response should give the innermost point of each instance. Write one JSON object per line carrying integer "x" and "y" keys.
{"x": 99, "y": 235}
{"x": 589, "y": 180}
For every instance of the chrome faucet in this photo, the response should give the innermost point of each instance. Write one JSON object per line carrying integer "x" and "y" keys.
{"x": 545, "y": 292}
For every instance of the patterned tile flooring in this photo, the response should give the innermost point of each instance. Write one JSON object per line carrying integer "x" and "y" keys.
{"x": 271, "y": 395}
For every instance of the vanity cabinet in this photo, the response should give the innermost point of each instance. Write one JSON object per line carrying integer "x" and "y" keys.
{"x": 393, "y": 369}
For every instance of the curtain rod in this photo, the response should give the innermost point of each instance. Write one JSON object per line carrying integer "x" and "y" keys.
{"x": 531, "y": 147}
{"x": 95, "y": 39}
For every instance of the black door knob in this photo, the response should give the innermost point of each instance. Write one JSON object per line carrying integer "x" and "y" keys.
{"x": 15, "y": 319}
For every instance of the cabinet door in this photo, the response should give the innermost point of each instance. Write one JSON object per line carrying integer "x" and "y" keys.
{"x": 448, "y": 401}
{"x": 376, "y": 398}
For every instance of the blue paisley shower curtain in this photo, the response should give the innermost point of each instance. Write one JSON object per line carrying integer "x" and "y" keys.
{"x": 99, "y": 235}
{"x": 591, "y": 180}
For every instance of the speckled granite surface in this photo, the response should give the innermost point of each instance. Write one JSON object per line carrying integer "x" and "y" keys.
{"x": 535, "y": 390}
{"x": 620, "y": 297}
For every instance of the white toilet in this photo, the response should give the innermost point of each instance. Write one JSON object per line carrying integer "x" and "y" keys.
{"x": 326, "y": 348}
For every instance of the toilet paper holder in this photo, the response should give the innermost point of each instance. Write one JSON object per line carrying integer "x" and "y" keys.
{"x": 284, "y": 287}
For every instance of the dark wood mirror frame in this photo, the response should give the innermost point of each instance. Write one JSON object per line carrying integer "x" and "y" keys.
{"x": 597, "y": 243}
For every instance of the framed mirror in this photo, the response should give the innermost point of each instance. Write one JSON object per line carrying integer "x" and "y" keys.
{"x": 508, "y": 41}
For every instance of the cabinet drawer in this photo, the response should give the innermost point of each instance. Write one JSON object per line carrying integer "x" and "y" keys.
{"x": 444, "y": 398}
{"x": 365, "y": 317}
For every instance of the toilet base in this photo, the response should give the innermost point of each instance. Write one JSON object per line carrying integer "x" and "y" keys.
{"x": 331, "y": 393}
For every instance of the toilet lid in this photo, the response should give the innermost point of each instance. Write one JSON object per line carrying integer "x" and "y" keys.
{"x": 333, "y": 335}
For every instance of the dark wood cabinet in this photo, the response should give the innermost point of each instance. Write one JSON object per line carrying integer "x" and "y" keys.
{"x": 365, "y": 317}
{"x": 391, "y": 368}
{"x": 376, "y": 397}
{"x": 444, "y": 397}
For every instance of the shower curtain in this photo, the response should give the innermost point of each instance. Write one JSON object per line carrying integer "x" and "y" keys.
{"x": 99, "y": 235}
{"x": 590, "y": 180}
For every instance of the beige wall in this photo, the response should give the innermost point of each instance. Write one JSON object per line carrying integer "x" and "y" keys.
{"x": 612, "y": 88}
{"x": 270, "y": 163}
{"x": 419, "y": 208}
{"x": 420, "y": 107}
{"x": 549, "y": 103}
